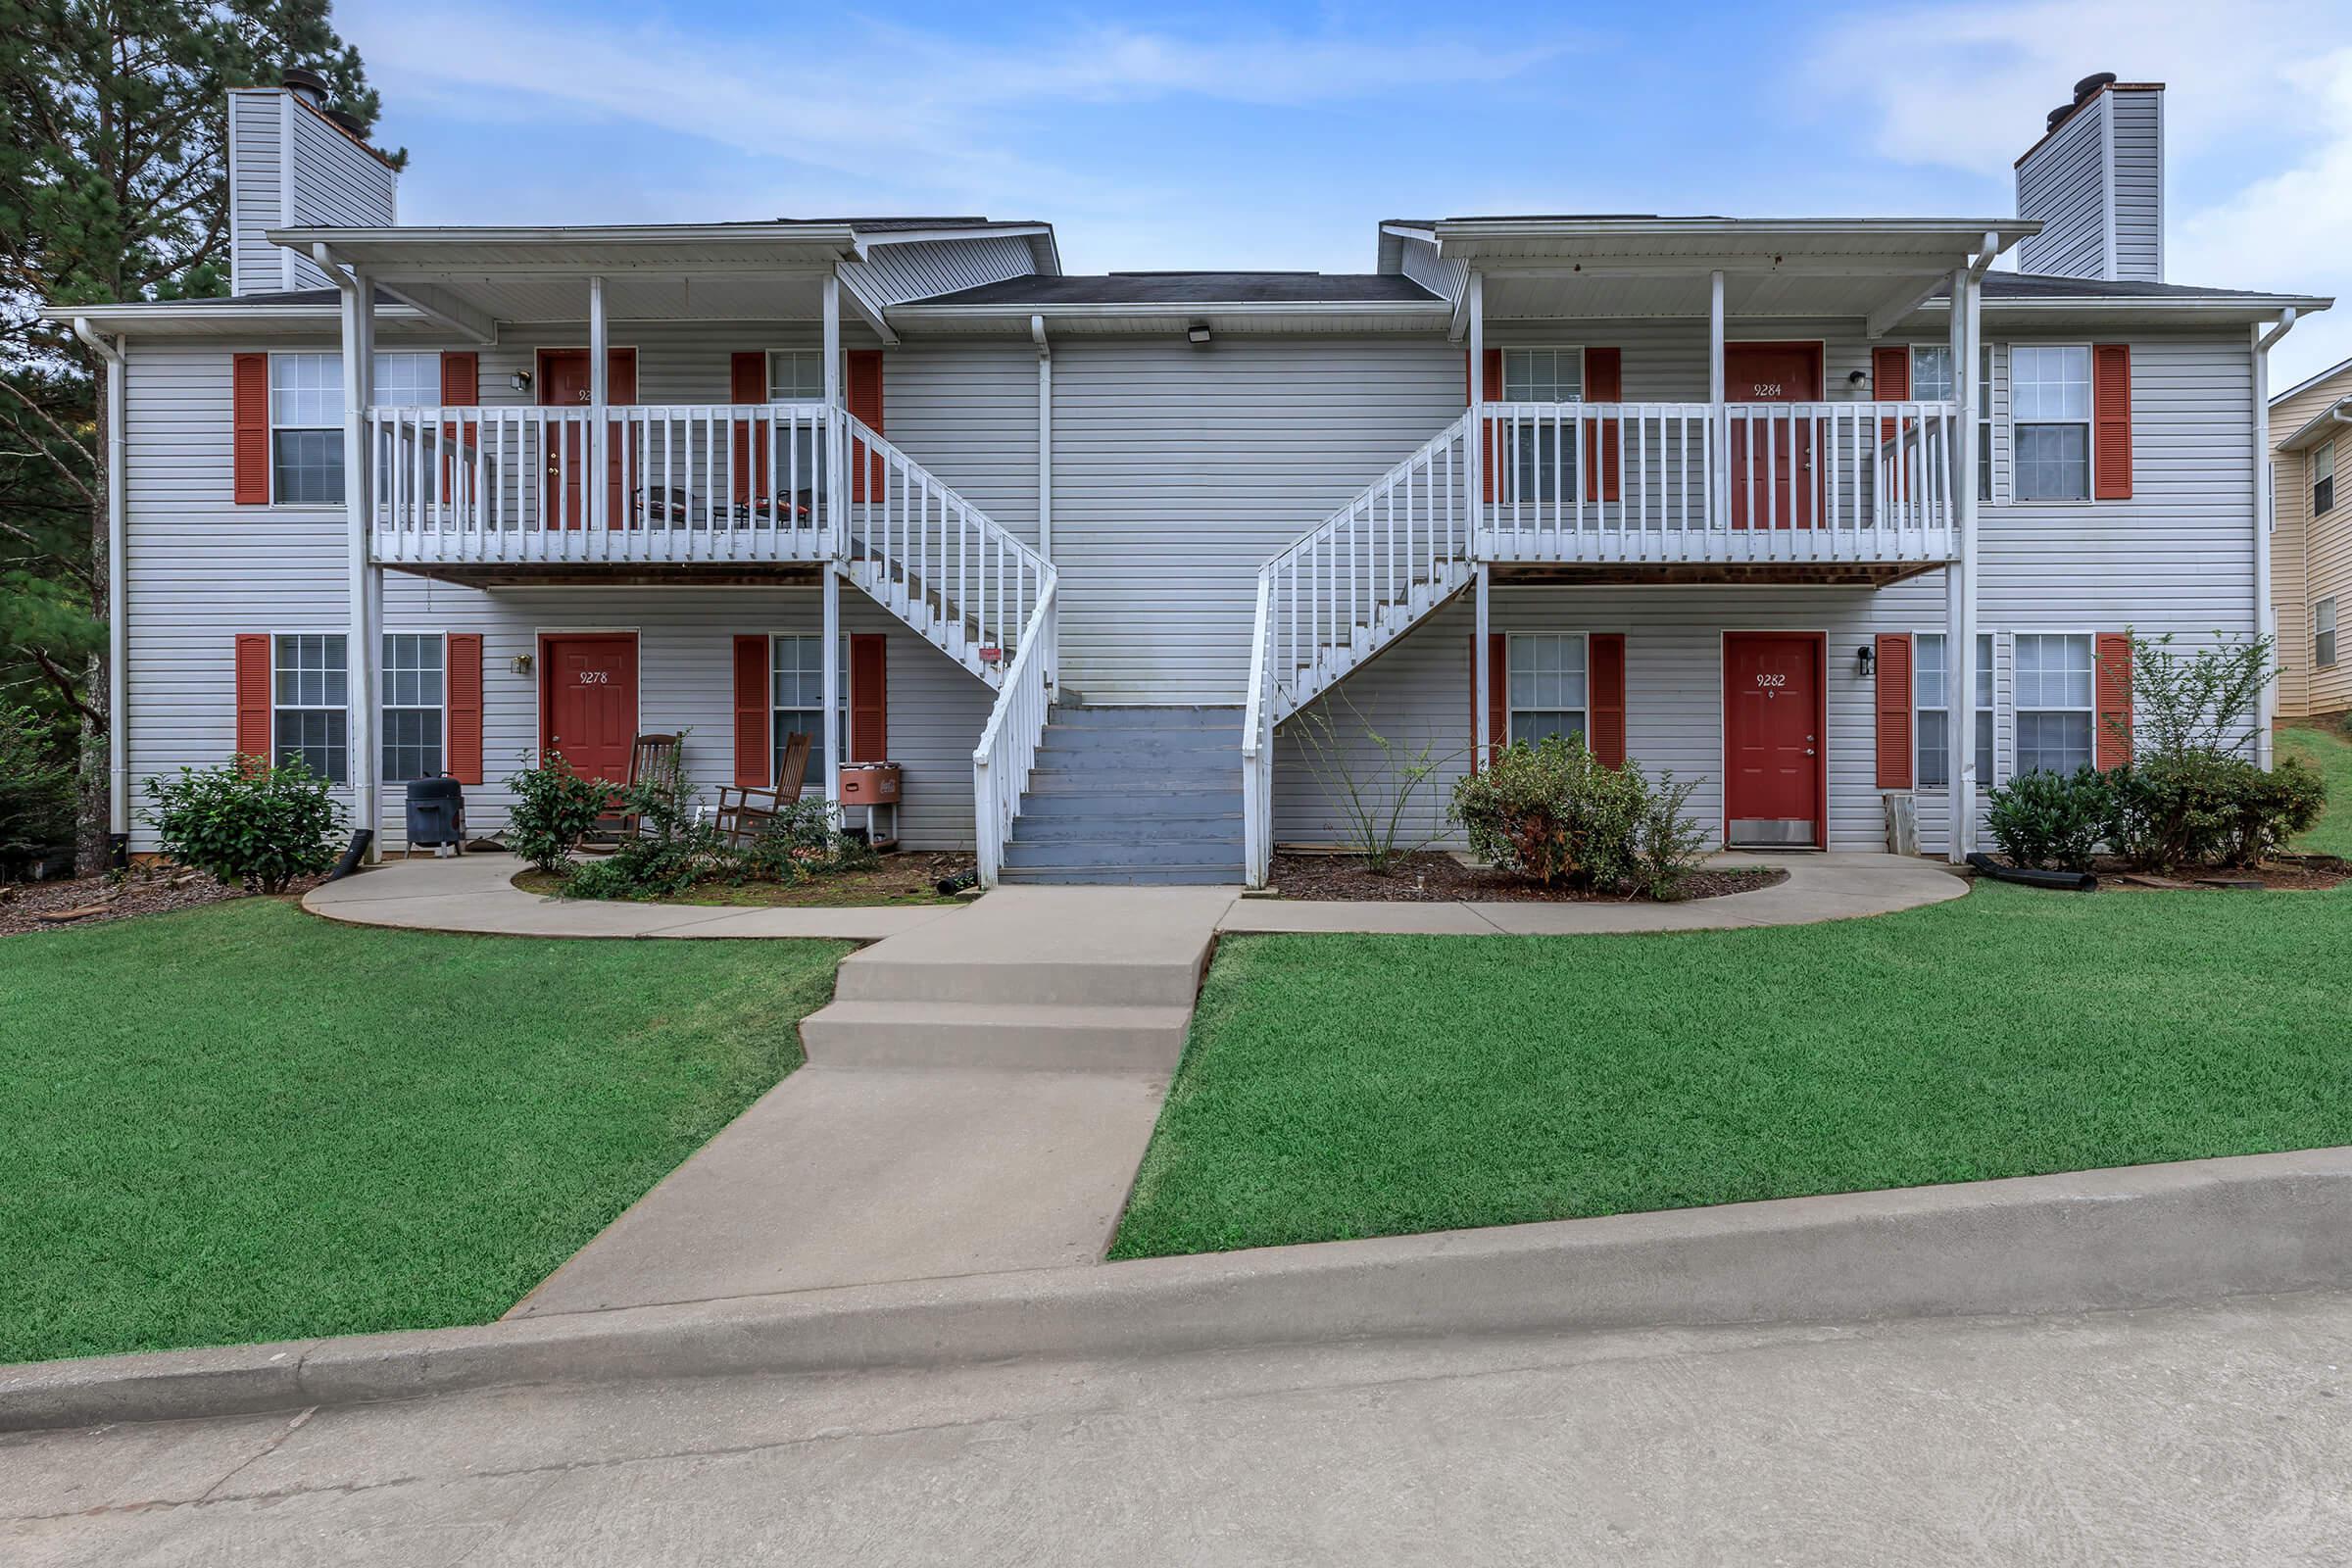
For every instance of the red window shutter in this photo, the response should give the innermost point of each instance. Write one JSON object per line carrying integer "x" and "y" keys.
{"x": 870, "y": 698}
{"x": 2111, "y": 416}
{"x": 464, "y": 657}
{"x": 2113, "y": 679}
{"x": 252, "y": 676}
{"x": 747, "y": 383}
{"x": 1893, "y": 663}
{"x": 1498, "y": 697}
{"x": 1889, "y": 380}
{"x": 1493, "y": 390}
{"x": 755, "y": 757}
{"x": 1604, "y": 696}
{"x": 1604, "y": 382}
{"x": 249, "y": 428}
{"x": 460, "y": 388}
{"x": 863, "y": 388}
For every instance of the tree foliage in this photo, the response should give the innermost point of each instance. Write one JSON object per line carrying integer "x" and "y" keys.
{"x": 113, "y": 186}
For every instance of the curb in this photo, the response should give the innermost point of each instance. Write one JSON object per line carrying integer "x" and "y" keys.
{"x": 2137, "y": 1236}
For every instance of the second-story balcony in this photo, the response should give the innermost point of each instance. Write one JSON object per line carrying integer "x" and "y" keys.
{"x": 1860, "y": 491}
{"x": 510, "y": 493}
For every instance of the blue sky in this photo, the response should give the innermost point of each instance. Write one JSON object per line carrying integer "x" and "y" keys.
{"x": 1276, "y": 136}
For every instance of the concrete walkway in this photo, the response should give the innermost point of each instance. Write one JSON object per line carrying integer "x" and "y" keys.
{"x": 477, "y": 893}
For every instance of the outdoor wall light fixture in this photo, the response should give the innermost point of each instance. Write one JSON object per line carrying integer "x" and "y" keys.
{"x": 1198, "y": 332}
{"x": 520, "y": 381}
{"x": 1864, "y": 658}
{"x": 520, "y": 664}
{"x": 1856, "y": 377}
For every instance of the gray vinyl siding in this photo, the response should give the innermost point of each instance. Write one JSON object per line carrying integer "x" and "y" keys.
{"x": 914, "y": 270}
{"x": 334, "y": 181}
{"x": 2138, "y": 185}
{"x": 2064, "y": 184}
{"x": 1178, "y": 471}
{"x": 201, "y": 570}
{"x": 1418, "y": 260}
{"x": 256, "y": 192}
{"x": 967, "y": 410}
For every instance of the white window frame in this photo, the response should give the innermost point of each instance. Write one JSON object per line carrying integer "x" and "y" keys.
{"x": 2018, "y": 710}
{"x": 2323, "y": 649}
{"x": 1510, "y": 710}
{"x": 1989, "y": 650}
{"x": 385, "y": 707}
{"x": 2323, "y": 451}
{"x": 334, "y": 361}
{"x": 1987, "y": 425}
{"x": 2089, "y": 424}
{"x": 277, "y": 752}
{"x": 816, "y": 357}
{"x": 1572, "y": 472}
{"x": 775, "y": 712}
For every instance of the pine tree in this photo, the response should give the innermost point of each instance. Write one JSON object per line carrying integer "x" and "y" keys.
{"x": 113, "y": 186}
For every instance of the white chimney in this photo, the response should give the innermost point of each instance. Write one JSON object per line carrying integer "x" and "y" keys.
{"x": 292, "y": 161}
{"x": 2095, "y": 180}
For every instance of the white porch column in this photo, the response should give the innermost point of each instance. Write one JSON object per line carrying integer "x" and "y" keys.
{"x": 1482, "y": 672}
{"x": 2266, "y": 515}
{"x": 1474, "y": 484}
{"x": 1960, "y": 599}
{"x": 1045, "y": 436}
{"x": 594, "y": 483}
{"x": 837, "y": 519}
{"x": 363, "y": 645}
{"x": 1719, "y": 472}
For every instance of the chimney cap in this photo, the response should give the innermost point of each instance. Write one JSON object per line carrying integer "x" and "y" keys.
{"x": 2056, "y": 115}
{"x": 304, "y": 83}
{"x": 2093, "y": 83}
{"x": 350, "y": 123}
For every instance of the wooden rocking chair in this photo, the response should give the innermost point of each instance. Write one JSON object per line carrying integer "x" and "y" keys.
{"x": 746, "y": 813}
{"x": 653, "y": 760}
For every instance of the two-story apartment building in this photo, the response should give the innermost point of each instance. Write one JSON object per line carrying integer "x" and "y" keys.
{"x": 1818, "y": 512}
{"x": 2311, "y": 544}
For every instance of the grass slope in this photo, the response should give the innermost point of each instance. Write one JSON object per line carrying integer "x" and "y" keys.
{"x": 2330, "y": 753}
{"x": 244, "y": 1123}
{"x": 1349, "y": 1086}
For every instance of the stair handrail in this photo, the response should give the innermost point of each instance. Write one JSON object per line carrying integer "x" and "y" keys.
{"x": 1009, "y": 744}
{"x": 952, "y": 555}
{"x": 1257, "y": 741}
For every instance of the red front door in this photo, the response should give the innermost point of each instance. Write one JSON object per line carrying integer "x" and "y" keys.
{"x": 588, "y": 701}
{"x": 1773, "y": 482}
{"x": 564, "y": 383}
{"x": 1773, "y": 779}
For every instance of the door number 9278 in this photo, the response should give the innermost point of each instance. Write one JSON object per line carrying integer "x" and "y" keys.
{"x": 601, "y": 677}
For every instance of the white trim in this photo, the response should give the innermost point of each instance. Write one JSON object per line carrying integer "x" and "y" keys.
{"x": 2110, "y": 266}
{"x": 381, "y": 706}
{"x": 1989, "y": 713}
{"x": 2017, "y": 739}
{"x": 539, "y": 637}
{"x": 343, "y": 708}
{"x": 287, "y": 275}
{"x": 2334, "y": 633}
{"x": 2089, "y": 424}
{"x": 1820, "y": 637}
{"x": 1509, "y": 734}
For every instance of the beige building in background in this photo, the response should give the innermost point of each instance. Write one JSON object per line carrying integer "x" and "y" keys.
{"x": 2311, "y": 542}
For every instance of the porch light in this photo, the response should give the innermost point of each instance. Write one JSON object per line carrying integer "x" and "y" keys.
{"x": 520, "y": 664}
{"x": 1864, "y": 658}
{"x": 520, "y": 381}
{"x": 1198, "y": 332}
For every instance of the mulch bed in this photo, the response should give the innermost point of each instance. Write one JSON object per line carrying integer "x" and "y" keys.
{"x": 2289, "y": 873}
{"x": 1433, "y": 876}
{"x": 910, "y": 877}
{"x": 30, "y": 906}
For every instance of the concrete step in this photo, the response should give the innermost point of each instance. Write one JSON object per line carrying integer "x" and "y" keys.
{"x": 1147, "y": 718}
{"x": 874, "y": 975}
{"x": 1156, "y": 824}
{"x": 1074, "y": 1038}
{"x": 1139, "y": 848}
{"x": 1158, "y": 876}
{"x": 1128, "y": 800}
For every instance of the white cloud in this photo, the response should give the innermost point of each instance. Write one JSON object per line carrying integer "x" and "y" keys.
{"x": 2258, "y": 133}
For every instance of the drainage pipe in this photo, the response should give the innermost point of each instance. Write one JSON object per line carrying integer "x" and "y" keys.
{"x": 2062, "y": 881}
{"x": 118, "y": 740}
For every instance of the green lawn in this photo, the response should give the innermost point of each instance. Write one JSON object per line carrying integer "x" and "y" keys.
{"x": 245, "y": 1123}
{"x": 1348, "y": 1086}
{"x": 2331, "y": 754}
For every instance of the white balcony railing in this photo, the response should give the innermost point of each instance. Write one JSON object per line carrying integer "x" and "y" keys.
{"x": 1742, "y": 484}
{"x": 1015, "y": 728}
{"x": 681, "y": 483}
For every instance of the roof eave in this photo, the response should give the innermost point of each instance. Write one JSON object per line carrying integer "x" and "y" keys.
{"x": 2320, "y": 427}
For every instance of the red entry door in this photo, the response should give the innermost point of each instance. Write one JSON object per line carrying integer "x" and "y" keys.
{"x": 564, "y": 383}
{"x": 1773, "y": 757}
{"x": 1773, "y": 482}
{"x": 588, "y": 703}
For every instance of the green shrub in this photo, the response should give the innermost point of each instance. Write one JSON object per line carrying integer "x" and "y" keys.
{"x": 2043, "y": 818}
{"x": 805, "y": 841}
{"x": 36, "y": 786}
{"x": 669, "y": 853}
{"x": 2200, "y": 809}
{"x": 1553, "y": 814}
{"x": 249, "y": 824}
{"x": 555, "y": 806}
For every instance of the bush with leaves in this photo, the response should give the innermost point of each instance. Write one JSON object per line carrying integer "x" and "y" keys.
{"x": 2202, "y": 809}
{"x": 669, "y": 853}
{"x": 36, "y": 787}
{"x": 554, "y": 807}
{"x": 2201, "y": 704}
{"x": 1554, "y": 813}
{"x": 249, "y": 824}
{"x": 1374, "y": 786}
{"x": 2043, "y": 818}
{"x": 804, "y": 840}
